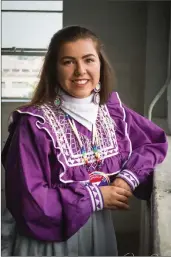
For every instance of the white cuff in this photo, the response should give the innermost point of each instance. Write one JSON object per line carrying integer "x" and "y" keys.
{"x": 96, "y": 197}
{"x": 130, "y": 178}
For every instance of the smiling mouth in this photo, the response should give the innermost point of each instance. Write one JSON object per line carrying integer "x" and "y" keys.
{"x": 80, "y": 81}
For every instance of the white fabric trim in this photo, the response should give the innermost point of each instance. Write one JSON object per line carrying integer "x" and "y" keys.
{"x": 82, "y": 110}
{"x": 97, "y": 201}
{"x": 92, "y": 198}
{"x": 130, "y": 177}
{"x": 100, "y": 199}
{"x": 132, "y": 174}
{"x": 109, "y": 151}
{"x": 37, "y": 125}
{"x": 126, "y": 128}
{"x": 71, "y": 158}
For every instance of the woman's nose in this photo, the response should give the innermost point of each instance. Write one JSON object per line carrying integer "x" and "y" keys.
{"x": 80, "y": 70}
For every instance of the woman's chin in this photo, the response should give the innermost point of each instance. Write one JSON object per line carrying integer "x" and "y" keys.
{"x": 80, "y": 95}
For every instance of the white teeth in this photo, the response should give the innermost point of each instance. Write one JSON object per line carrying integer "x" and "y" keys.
{"x": 81, "y": 81}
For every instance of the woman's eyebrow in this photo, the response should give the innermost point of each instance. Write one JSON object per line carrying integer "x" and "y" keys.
{"x": 88, "y": 55}
{"x": 73, "y": 58}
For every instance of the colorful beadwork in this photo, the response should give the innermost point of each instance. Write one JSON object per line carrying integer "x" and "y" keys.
{"x": 95, "y": 148}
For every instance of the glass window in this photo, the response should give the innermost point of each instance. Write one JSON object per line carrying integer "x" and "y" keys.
{"x": 20, "y": 75}
{"x": 27, "y": 27}
{"x": 3, "y": 84}
{"x": 29, "y": 30}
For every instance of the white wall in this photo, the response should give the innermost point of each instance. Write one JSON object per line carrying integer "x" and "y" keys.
{"x": 30, "y": 29}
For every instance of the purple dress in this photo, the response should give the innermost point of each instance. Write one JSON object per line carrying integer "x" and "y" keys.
{"x": 47, "y": 189}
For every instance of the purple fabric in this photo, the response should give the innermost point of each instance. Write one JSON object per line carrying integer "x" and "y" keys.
{"x": 47, "y": 208}
{"x": 142, "y": 141}
{"x": 42, "y": 211}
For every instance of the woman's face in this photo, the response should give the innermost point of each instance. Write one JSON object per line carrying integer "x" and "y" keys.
{"x": 78, "y": 67}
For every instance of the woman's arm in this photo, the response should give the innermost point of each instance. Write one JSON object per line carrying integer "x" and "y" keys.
{"x": 148, "y": 147}
{"x": 41, "y": 211}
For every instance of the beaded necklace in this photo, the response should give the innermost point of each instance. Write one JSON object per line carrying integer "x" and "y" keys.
{"x": 95, "y": 143}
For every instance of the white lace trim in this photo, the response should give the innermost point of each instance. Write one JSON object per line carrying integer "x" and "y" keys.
{"x": 67, "y": 142}
{"x": 126, "y": 129}
{"x": 38, "y": 125}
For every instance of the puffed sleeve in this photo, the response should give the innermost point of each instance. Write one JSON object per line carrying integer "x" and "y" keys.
{"x": 148, "y": 147}
{"x": 41, "y": 211}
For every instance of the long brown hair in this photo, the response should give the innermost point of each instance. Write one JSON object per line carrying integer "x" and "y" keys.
{"x": 48, "y": 84}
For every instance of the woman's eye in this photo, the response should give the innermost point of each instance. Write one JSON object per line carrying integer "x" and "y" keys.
{"x": 68, "y": 62}
{"x": 89, "y": 60}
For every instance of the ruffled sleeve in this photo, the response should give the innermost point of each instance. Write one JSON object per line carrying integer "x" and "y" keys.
{"x": 40, "y": 210}
{"x": 147, "y": 148}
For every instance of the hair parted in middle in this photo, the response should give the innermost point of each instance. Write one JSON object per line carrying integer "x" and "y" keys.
{"x": 48, "y": 85}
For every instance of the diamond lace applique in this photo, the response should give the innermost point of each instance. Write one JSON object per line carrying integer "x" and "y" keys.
{"x": 67, "y": 142}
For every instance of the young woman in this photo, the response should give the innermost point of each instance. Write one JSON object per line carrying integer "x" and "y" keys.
{"x": 75, "y": 153}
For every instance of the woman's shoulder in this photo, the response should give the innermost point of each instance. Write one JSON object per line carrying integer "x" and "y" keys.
{"x": 115, "y": 106}
{"x": 113, "y": 98}
{"x": 29, "y": 110}
{"x": 37, "y": 120}
{"x": 27, "y": 114}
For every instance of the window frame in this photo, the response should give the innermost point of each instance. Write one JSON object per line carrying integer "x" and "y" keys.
{"x": 13, "y": 51}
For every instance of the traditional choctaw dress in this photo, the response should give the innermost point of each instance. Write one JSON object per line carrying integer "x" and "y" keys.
{"x": 57, "y": 210}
